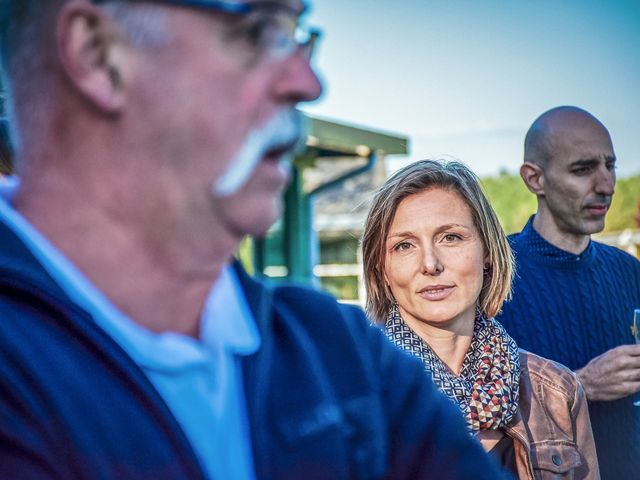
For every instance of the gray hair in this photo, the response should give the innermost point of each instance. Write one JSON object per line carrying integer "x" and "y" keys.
{"x": 143, "y": 26}
{"x": 26, "y": 30}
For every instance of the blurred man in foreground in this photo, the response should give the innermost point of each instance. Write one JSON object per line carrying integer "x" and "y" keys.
{"x": 150, "y": 138}
{"x": 573, "y": 298}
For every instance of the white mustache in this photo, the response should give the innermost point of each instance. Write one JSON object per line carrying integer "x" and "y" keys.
{"x": 283, "y": 131}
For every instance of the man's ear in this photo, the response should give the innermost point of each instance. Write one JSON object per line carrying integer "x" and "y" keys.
{"x": 89, "y": 51}
{"x": 533, "y": 177}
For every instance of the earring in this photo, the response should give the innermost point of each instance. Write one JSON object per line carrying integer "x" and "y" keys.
{"x": 486, "y": 269}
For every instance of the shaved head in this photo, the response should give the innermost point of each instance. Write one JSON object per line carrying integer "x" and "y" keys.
{"x": 549, "y": 133}
{"x": 569, "y": 164}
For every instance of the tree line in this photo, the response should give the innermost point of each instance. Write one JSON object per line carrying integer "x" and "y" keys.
{"x": 514, "y": 204}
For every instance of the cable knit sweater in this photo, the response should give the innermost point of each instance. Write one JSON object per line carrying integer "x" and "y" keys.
{"x": 571, "y": 308}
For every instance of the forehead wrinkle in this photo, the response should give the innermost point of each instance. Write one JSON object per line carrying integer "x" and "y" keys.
{"x": 593, "y": 159}
{"x": 408, "y": 233}
{"x": 405, "y": 234}
{"x": 572, "y": 146}
{"x": 585, "y": 161}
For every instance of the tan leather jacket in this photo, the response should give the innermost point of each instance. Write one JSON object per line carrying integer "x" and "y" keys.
{"x": 552, "y": 432}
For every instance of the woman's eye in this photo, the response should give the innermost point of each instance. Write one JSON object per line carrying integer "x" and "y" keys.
{"x": 451, "y": 237}
{"x": 402, "y": 246}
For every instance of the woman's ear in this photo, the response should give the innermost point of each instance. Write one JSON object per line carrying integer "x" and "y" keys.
{"x": 90, "y": 50}
{"x": 486, "y": 269}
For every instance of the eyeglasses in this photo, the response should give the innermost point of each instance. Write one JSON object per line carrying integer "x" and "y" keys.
{"x": 271, "y": 27}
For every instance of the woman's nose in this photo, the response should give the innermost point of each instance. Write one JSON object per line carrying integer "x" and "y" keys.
{"x": 431, "y": 264}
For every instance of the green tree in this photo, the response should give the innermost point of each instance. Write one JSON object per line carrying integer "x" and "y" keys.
{"x": 511, "y": 200}
{"x": 514, "y": 204}
{"x": 625, "y": 205}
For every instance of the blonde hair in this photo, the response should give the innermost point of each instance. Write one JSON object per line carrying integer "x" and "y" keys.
{"x": 415, "y": 178}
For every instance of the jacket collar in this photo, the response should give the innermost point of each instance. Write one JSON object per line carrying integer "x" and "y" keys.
{"x": 19, "y": 266}
{"x": 258, "y": 296}
{"x": 256, "y": 368}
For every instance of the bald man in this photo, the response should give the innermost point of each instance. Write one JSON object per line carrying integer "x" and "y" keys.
{"x": 573, "y": 298}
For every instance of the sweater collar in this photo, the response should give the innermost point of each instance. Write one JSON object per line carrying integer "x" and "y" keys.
{"x": 532, "y": 243}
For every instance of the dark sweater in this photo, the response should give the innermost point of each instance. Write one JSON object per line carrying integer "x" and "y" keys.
{"x": 328, "y": 396}
{"x": 572, "y": 308}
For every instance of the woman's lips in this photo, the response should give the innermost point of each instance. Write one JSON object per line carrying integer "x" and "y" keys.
{"x": 436, "y": 292}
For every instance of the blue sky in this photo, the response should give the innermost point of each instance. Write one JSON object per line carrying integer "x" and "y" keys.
{"x": 467, "y": 78}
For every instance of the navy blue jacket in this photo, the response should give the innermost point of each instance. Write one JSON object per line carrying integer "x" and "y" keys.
{"x": 328, "y": 396}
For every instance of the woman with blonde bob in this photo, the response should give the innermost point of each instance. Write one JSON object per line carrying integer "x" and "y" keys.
{"x": 437, "y": 268}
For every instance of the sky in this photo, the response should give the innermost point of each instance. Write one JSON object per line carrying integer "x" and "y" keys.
{"x": 464, "y": 79}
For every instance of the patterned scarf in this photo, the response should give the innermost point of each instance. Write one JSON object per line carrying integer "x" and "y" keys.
{"x": 487, "y": 389}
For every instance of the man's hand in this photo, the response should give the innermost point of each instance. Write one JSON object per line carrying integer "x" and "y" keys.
{"x": 614, "y": 374}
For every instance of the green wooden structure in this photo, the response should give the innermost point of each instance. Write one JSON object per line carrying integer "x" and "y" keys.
{"x": 291, "y": 246}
